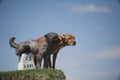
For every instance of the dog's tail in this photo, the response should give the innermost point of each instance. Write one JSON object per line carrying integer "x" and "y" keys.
{"x": 12, "y": 43}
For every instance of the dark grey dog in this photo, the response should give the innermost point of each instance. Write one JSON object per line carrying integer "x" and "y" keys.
{"x": 38, "y": 49}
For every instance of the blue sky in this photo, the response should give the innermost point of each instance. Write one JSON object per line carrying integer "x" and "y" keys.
{"x": 94, "y": 23}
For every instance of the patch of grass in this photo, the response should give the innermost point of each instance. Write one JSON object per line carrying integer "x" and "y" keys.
{"x": 42, "y": 74}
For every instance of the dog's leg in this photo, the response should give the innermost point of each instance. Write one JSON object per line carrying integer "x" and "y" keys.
{"x": 35, "y": 60}
{"x": 45, "y": 65}
{"x": 47, "y": 62}
{"x": 38, "y": 61}
{"x": 54, "y": 59}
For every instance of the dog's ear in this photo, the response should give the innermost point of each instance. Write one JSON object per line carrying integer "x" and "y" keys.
{"x": 62, "y": 36}
{"x": 45, "y": 35}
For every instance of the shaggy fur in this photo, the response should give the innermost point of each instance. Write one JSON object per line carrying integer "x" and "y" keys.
{"x": 38, "y": 49}
{"x": 65, "y": 40}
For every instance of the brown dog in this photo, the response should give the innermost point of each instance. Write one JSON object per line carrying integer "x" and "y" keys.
{"x": 65, "y": 40}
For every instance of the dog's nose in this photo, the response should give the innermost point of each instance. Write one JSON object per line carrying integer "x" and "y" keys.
{"x": 75, "y": 43}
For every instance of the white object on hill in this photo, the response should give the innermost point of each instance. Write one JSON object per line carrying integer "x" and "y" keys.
{"x": 26, "y": 62}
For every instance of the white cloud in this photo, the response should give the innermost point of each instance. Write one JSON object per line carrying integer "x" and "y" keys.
{"x": 90, "y": 8}
{"x": 75, "y": 68}
{"x": 94, "y": 57}
{"x": 90, "y": 58}
{"x": 108, "y": 53}
{"x": 101, "y": 56}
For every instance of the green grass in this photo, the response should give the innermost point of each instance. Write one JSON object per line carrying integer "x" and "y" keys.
{"x": 43, "y": 74}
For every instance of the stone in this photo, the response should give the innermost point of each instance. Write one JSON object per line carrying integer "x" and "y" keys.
{"x": 26, "y": 62}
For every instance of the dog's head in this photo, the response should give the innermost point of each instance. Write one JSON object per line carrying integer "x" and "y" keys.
{"x": 67, "y": 39}
{"x": 51, "y": 38}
